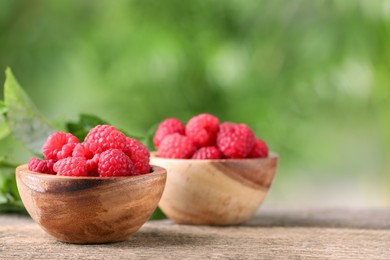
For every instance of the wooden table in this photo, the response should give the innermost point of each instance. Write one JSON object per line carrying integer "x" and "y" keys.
{"x": 274, "y": 233}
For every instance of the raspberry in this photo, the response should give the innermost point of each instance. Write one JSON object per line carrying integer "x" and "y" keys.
{"x": 86, "y": 150}
{"x": 203, "y": 129}
{"x": 235, "y": 141}
{"x": 259, "y": 150}
{"x": 42, "y": 166}
{"x": 92, "y": 165}
{"x": 209, "y": 152}
{"x": 167, "y": 127}
{"x": 114, "y": 162}
{"x": 89, "y": 151}
{"x": 66, "y": 151}
{"x": 227, "y": 126}
{"x": 37, "y": 165}
{"x": 50, "y": 167}
{"x": 176, "y": 146}
{"x": 54, "y": 148}
{"x": 71, "y": 166}
{"x": 106, "y": 137}
{"x": 138, "y": 154}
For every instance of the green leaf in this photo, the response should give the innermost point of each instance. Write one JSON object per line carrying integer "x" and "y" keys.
{"x": 86, "y": 122}
{"x": 81, "y": 128}
{"x": 4, "y": 129}
{"x": 157, "y": 214}
{"x": 24, "y": 119}
{"x": 16, "y": 207}
{"x": 3, "y": 108}
{"x": 10, "y": 201}
{"x": 3, "y": 199}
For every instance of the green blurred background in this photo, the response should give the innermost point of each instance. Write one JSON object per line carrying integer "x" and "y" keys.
{"x": 310, "y": 77}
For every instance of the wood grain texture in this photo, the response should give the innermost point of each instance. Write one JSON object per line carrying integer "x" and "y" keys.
{"x": 215, "y": 192}
{"x": 274, "y": 233}
{"x": 90, "y": 209}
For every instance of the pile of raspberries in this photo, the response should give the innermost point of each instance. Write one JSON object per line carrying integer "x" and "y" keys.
{"x": 105, "y": 152}
{"x": 204, "y": 137}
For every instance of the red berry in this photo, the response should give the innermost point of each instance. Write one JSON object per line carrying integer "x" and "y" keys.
{"x": 66, "y": 151}
{"x": 86, "y": 150}
{"x": 209, "y": 152}
{"x": 37, "y": 165}
{"x": 259, "y": 150}
{"x": 138, "y": 154}
{"x": 42, "y": 166}
{"x": 89, "y": 151}
{"x": 114, "y": 162}
{"x": 235, "y": 141}
{"x": 50, "y": 167}
{"x": 167, "y": 127}
{"x": 176, "y": 146}
{"x": 92, "y": 165}
{"x": 203, "y": 129}
{"x": 227, "y": 126}
{"x": 54, "y": 148}
{"x": 106, "y": 137}
{"x": 71, "y": 166}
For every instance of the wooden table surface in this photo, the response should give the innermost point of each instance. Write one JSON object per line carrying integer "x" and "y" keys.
{"x": 274, "y": 233}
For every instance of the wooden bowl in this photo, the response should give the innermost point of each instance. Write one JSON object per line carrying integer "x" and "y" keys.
{"x": 215, "y": 192}
{"x": 90, "y": 209}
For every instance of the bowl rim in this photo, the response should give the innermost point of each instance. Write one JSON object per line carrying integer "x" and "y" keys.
{"x": 157, "y": 170}
{"x": 271, "y": 155}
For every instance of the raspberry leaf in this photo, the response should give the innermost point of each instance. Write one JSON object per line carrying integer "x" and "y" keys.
{"x": 157, "y": 214}
{"x": 9, "y": 196}
{"x": 24, "y": 120}
{"x": 4, "y": 129}
{"x": 81, "y": 128}
{"x": 3, "y": 108}
{"x": 86, "y": 122}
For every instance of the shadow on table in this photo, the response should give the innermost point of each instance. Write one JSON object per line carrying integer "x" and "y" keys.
{"x": 326, "y": 218}
{"x": 165, "y": 238}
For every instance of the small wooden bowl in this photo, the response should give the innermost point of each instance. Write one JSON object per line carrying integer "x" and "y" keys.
{"x": 90, "y": 209}
{"x": 215, "y": 192}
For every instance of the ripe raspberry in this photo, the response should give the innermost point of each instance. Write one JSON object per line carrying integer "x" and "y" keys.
{"x": 42, "y": 166}
{"x": 37, "y": 165}
{"x": 138, "y": 154}
{"x": 54, "y": 148}
{"x": 86, "y": 150}
{"x": 50, "y": 167}
{"x": 89, "y": 151}
{"x": 71, "y": 166}
{"x": 235, "y": 141}
{"x": 209, "y": 152}
{"x": 114, "y": 162}
{"x": 66, "y": 151}
{"x": 203, "y": 129}
{"x": 259, "y": 150}
{"x": 106, "y": 137}
{"x": 176, "y": 146}
{"x": 92, "y": 165}
{"x": 167, "y": 127}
